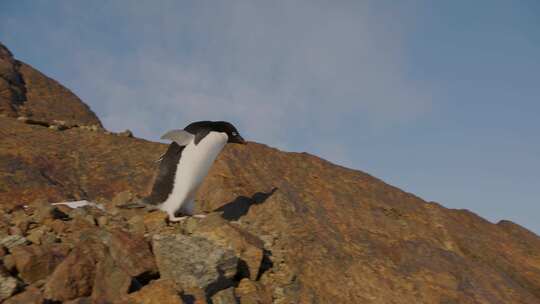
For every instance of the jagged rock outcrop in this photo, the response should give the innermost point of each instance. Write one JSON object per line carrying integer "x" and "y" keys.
{"x": 24, "y": 91}
{"x": 302, "y": 229}
{"x": 12, "y": 89}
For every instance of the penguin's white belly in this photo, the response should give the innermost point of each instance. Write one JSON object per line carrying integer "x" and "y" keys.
{"x": 191, "y": 170}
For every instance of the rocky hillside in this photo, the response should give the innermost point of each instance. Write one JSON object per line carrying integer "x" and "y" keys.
{"x": 281, "y": 227}
{"x": 26, "y": 92}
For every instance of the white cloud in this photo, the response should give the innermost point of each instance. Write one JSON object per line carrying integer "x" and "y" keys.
{"x": 285, "y": 72}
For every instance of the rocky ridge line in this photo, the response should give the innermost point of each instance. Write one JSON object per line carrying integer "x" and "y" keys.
{"x": 24, "y": 91}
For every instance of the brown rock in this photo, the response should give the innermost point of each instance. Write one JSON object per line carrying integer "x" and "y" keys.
{"x": 37, "y": 234}
{"x": 9, "y": 263}
{"x": 103, "y": 266}
{"x": 20, "y": 222}
{"x": 80, "y": 225}
{"x": 74, "y": 277}
{"x": 85, "y": 214}
{"x": 44, "y": 213}
{"x": 247, "y": 246}
{"x": 250, "y": 292}
{"x": 14, "y": 230}
{"x": 136, "y": 224}
{"x": 8, "y": 285}
{"x": 37, "y": 262}
{"x": 122, "y": 198}
{"x": 58, "y": 226}
{"x": 157, "y": 292}
{"x": 126, "y": 133}
{"x": 102, "y": 221}
{"x": 131, "y": 252}
{"x": 111, "y": 282}
{"x": 12, "y": 241}
{"x": 82, "y": 300}
{"x": 30, "y": 295}
{"x": 155, "y": 221}
{"x": 49, "y": 238}
{"x": 225, "y": 296}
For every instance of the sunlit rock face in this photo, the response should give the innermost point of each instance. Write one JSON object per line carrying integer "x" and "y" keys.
{"x": 26, "y": 92}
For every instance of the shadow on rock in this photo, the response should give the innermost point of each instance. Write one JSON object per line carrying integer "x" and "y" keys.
{"x": 187, "y": 298}
{"x": 266, "y": 263}
{"x": 240, "y": 206}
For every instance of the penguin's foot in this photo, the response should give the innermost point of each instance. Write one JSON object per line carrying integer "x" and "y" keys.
{"x": 176, "y": 219}
{"x": 199, "y": 215}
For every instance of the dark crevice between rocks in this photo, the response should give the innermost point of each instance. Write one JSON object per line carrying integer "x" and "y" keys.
{"x": 37, "y": 123}
{"x": 266, "y": 263}
{"x": 47, "y": 301}
{"x": 221, "y": 283}
{"x": 243, "y": 268}
{"x": 142, "y": 280}
{"x": 13, "y": 271}
{"x": 55, "y": 124}
{"x": 187, "y": 298}
{"x": 58, "y": 214}
{"x": 240, "y": 206}
{"x": 20, "y": 84}
{"x": 242, "y": 271}
{"x": 50, "y": 179}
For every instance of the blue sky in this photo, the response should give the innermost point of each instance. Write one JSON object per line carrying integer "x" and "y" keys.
{"x": 440, "y": 98}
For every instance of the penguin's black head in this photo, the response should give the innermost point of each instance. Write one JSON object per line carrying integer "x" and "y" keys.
{"x": 217, "y": 126}
{"x": 232, "y": 133}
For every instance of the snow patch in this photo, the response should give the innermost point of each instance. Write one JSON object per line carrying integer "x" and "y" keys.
{"x": 80, "y": 204}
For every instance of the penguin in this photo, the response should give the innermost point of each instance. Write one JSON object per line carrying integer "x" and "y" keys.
{"x": 186, "y": 163}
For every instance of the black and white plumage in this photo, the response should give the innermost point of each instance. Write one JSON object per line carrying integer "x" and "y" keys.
{"x": 187, "y": 161}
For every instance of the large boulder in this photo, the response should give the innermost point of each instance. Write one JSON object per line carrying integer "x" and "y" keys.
{"x": 104, "y": 266}
{"x": 35, "y": 263}
{"x": 247, "y": 247}
{"x": 194, "y": 262}
{"x": 74, "y": 277}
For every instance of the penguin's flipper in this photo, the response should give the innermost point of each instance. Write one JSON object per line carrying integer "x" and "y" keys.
{"x": 181, "y": 137}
